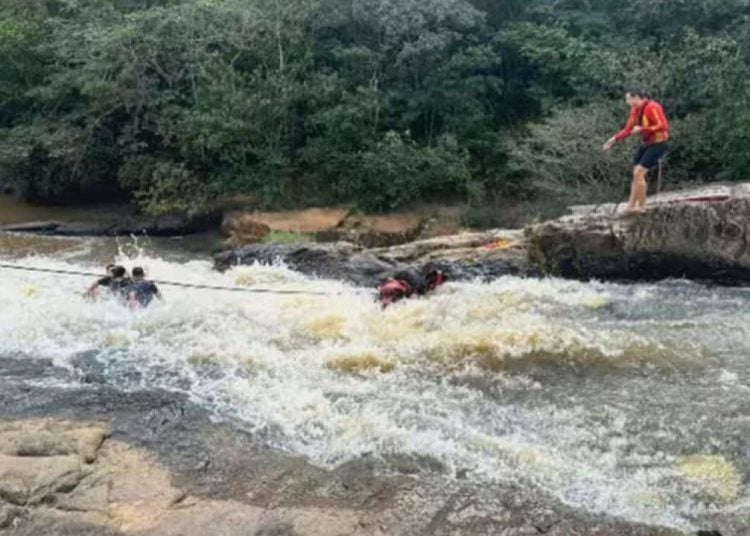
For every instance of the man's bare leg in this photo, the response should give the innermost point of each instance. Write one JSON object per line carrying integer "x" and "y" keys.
{"x": 641, "y": 187}
{"x": 638, "y": 189}
{"x": 631, "y": 199}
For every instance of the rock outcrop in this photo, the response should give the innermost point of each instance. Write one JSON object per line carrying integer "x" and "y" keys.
{"x": 701, "y": 234}
{"x": 77, "y": 481}
{"x": 328, "y": 225}
{"x": 376, "y": 231}
{"x": 464, "y": 256}
{"x": 243, "y": 229}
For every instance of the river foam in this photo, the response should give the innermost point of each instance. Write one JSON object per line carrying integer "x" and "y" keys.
{"x": 615, "y": 399}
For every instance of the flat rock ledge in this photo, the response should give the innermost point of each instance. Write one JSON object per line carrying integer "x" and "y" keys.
{"x": 68, "y": 478}
{"x": 701, "y": 234}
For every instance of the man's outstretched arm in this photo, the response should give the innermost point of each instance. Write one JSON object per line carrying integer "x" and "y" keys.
{"x": 630, "y": 128}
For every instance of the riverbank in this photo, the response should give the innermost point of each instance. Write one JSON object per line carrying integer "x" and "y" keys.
{"x": 99, "y": 220}
{"x": 699, "y": 234}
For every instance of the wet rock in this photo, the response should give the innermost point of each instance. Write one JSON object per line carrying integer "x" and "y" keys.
{"x": 460, "y": 247}
{"x": 25, "y": 367}
{"x": 340, "y": 261}
{"x": 461, "y": 257}
{"x": 9, "y": 515}
{"x": 412, "y": 464}
{"x": 700, "y": 234}
{"x": 54, "y": 525}
{"x": 278, "y": 528}
{"x": 33, "y": 227}
{"x": 734, "y": 524}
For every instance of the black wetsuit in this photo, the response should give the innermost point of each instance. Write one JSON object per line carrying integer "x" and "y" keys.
{"x": 114, "y": 284}
{"x": 414, "y": 279}
{"x": 142, "y": 291}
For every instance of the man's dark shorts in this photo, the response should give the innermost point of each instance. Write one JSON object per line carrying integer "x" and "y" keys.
{"x": 648, "y": 155}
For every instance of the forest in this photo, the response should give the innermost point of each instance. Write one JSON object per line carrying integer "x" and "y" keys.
{"x": 376, "y": 104}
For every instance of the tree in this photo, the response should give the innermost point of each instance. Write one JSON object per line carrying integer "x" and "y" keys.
{"x": 374, "y": 102}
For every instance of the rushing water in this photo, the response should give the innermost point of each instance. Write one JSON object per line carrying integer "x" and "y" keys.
{"x": 627, "y": 400}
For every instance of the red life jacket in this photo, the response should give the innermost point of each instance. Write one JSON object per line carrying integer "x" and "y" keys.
{"x": 393, "y": 290}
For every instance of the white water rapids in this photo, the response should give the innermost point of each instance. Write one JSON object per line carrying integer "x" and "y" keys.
{"x": 628, "y": 400}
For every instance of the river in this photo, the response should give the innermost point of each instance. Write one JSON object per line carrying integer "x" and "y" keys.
{"x": 627, "y": 400}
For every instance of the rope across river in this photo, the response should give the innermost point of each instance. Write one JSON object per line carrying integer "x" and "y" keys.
{"x": 170, "y": 283}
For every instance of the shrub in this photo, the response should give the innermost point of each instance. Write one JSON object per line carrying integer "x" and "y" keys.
{"x": 562, "y": 156}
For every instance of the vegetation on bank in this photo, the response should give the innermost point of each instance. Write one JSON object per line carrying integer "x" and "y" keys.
{"x": 378, "y": 103}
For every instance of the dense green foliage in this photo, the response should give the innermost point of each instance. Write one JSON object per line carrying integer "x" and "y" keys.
{"x": 379, "y": 103}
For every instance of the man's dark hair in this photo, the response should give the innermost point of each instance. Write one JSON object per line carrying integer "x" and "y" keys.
{"x": 138, "y": 272}
{"x": 430, "y": 269}
{"x": 638, "y": 92}
{"x": 119, "y": 271}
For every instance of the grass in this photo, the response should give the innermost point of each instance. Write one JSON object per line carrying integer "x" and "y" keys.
{"x": 287, "y": 237}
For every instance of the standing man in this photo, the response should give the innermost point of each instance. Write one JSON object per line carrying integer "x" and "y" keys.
{"x": 647, "y": 119}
